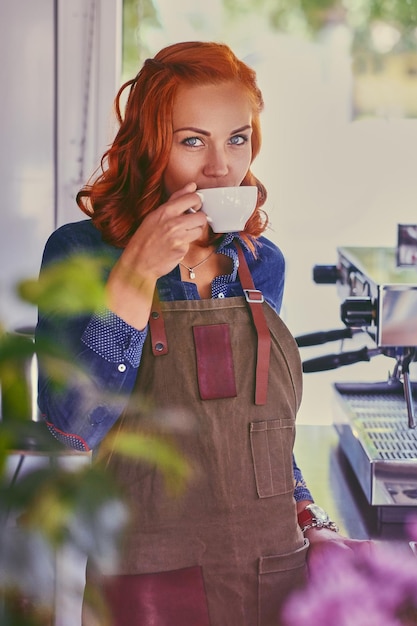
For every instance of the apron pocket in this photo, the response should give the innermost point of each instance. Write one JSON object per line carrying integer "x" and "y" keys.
{"x": 270, "y": 441}
{"x": 278, "y": 577}
{"x": 215, "y": 371}
{"x": 173, "y": 598}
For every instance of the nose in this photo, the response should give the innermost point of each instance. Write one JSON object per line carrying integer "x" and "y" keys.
{"x": 216, "y": 164}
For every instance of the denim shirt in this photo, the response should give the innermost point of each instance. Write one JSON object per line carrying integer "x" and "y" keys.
{"x": 109, "y": 350}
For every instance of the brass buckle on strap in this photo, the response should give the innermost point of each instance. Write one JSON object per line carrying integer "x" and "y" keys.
{"x": 254, "y": 296}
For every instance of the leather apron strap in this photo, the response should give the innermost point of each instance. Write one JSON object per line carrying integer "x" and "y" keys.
{"x": 254, "y": 298}
{"x": 157, "y": 328}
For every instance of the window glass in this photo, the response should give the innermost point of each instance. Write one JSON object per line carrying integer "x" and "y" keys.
{"x": 382, "y": 39}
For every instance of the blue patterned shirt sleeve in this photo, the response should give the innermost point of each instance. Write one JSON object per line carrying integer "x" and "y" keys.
{"x": 301, "y": 491}
{"x": 102, "y": 350}
{"x": 113, "y": 339}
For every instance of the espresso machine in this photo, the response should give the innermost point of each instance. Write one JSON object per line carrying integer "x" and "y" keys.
{"x": 376, "y": 421}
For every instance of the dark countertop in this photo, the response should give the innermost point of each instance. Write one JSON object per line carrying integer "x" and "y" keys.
{"x": 335, "y": 487}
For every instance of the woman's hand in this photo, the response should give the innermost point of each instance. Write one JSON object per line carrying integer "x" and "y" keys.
{"x": 165, "y": 235}
{"x": 325, "y": 542}
{"x": 158, "y": 245}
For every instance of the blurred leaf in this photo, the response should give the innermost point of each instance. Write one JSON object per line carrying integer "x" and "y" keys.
{"x": 27, "y": 435}
{"x": 18, "y": 611}
{"x": 82, "y": 508}
{"x": 154, "y": 450}
{"x": 16, "y": 351}
{"x": 15, "y": 346}
{"x": 6, "y": 444}
{"x": 72, "y": 286}
{"x": 16, "y": 398}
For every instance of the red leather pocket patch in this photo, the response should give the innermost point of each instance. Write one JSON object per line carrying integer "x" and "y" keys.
{"x": 173, "y": 598}
{"x": 215, "y": 371}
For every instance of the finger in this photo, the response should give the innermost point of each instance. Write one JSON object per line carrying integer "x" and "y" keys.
{"x": 208, "y": 218}
{"x": 193, "y": 221}
{"x": 185, "y": 200}
{"x": 188, "y": 188}
{"x": 189, "y": 203}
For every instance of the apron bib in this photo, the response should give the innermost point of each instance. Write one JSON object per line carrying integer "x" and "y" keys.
{"x": 229, "y": 543}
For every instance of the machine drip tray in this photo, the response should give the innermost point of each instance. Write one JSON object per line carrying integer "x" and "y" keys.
{"x": 372, "y": 423}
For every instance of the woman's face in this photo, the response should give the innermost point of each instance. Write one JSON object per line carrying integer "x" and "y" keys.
{"x": 212, "y": 128}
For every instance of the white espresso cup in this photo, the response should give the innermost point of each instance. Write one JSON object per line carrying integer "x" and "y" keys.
{"x": 228, "y": 208}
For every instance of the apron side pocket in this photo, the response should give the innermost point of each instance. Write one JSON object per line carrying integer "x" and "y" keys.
{"x": 270, "y": 441}
{"x": 278, "y": 577}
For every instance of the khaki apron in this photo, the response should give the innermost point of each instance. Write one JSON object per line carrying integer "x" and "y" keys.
{"x": 228, "y": 550}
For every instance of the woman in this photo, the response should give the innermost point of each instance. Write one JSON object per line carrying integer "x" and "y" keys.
{"x": 229, "y": 550}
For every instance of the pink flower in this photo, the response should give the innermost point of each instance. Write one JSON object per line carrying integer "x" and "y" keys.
{"x": 356, "y": 589}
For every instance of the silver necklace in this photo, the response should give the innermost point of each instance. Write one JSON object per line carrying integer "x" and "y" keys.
{"x": 191, "y": 269}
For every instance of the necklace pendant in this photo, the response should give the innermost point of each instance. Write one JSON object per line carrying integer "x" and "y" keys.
{"x": 192, "y": 274}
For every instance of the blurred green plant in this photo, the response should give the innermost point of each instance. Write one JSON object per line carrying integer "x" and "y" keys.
{"x": 59, "y": 504}
{"x": 137, "y": 14}
{"x": 381, "y": 34}
{"x": 310, "y": 17}
{"x": 69, "y": 287}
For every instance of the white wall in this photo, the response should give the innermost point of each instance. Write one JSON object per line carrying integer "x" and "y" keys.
{"x": 27, "y": 147}
{"x": 62, "y": 61}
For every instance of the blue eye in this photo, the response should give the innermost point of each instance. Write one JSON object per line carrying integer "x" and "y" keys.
{"x": 192, "y": 141}
{"x": 238, "y": 140}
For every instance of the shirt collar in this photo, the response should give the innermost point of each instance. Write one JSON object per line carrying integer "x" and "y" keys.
{"x": 227, "y": 241}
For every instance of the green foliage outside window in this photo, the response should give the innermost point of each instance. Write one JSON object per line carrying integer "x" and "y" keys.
{"x": 304, "y": 17}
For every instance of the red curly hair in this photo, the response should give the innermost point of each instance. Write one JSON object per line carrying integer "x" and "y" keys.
{"x": 128, "y": 184}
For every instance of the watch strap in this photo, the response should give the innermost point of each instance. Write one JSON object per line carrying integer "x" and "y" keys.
{"x": 307, "y": 520}
{"x": 305, "y": 517}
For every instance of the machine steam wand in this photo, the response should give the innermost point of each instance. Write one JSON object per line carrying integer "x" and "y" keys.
{"x": 401, "y": 373}
{"x": 402, "y": 370}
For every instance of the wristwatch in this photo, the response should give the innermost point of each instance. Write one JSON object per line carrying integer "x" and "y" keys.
{"x": 314, "y": 516}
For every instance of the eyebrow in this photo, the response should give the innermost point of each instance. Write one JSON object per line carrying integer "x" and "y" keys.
{"x": 200, "y": 131}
